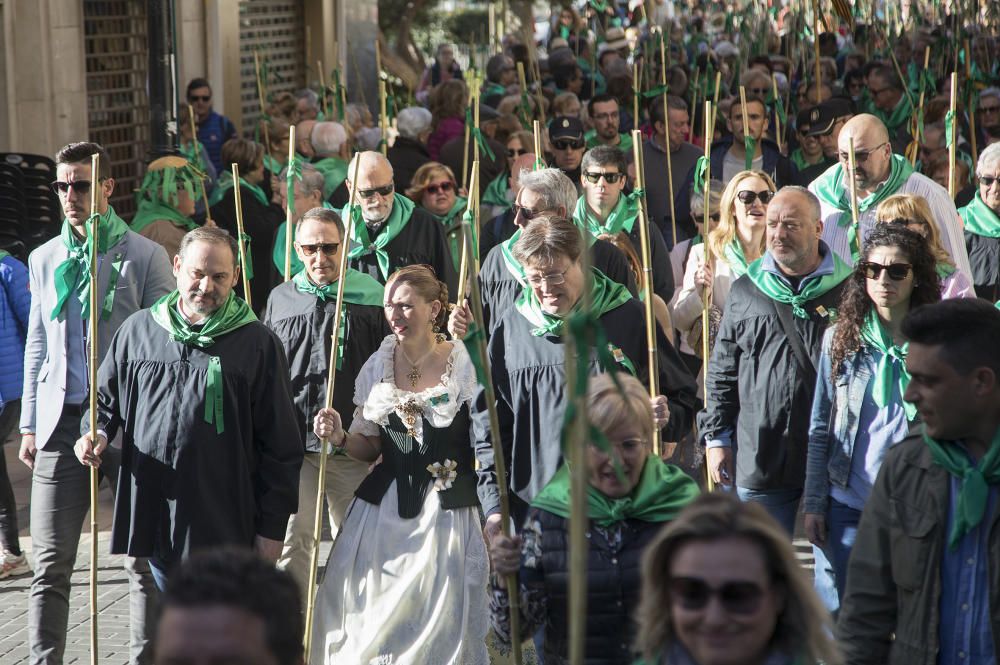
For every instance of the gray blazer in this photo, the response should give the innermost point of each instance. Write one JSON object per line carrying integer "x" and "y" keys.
{"x": 146, "y": 275}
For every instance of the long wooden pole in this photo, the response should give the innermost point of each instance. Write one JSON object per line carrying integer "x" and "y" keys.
{"x": 289, "y": 207}
{"x": 197, "y": 152}
{"x": 916, "y": 116}
{"x": 338, "y": 314}
{"x": 465, "y": 151}
{"x": 647, "y": 285}
{"x": 706, "y": 295}
{"x": 523, "y": 82}
{"x": 322, "y": 87}
{"x": 95, "y": 170}
{"x": 816, "y": 33}
{"x": 953, "y": 137}
{"x": 536, "y": 130}
{"x": 777, "y": 118}
{"x": 852, "y": 165}
{"x": 971, "y": 105}
{"x": 465, "y": 262}
{"x": 383, "y": 118}
{"x": 666, "y": 139}
{"x": 239, "y": 230}
{"x": 260, "y": 100}
{"x": 746, "y": 126}
{"x": 635, "y": 94}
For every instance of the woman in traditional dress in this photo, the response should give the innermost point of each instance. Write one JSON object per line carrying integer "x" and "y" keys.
{"x": 406, "y": 579}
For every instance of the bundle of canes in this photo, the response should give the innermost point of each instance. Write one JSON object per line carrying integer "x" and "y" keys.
{"x": 197, "y": 152}
{"x": 242, "y": 239}
{"x": 338, "y": 314}
{"x": 706, "y": 303}
{"x": 95, "y": 163}
{"x": 647, "y": 278}
{"x": 290, "y": 204}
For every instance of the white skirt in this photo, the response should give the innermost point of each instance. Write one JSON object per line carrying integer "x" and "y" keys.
{"x": 404, "y": 591}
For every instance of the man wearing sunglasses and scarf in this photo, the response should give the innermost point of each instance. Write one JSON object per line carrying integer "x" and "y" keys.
{"x": 879, "y": 174}
{"x": 568, "y": 146}
{"x": 300, "y": 312}
{"x": 389, "y": 231}
{"x": 132, "y": 273}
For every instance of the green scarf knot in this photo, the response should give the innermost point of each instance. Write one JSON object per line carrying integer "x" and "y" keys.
{"x": 621, "y": 218}
{"x": 891, "y": 368}
{"x": 702, "y": 174}
{"x": 359, "y": 289}
{"x": 980, "y": 219}
{"x": 402, "y": 208}
{"x": 811, "y": 287}
{"x": 225, "y": 183}
{"x": 607, "y": 295}
{"x": 73, "y": 274}
{"x": 477, "y": 135}
{"x": 734, "y": 257}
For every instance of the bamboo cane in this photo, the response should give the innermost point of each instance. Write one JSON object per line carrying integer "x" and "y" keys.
{"x": 383, "y": 118}
{"x": 289, "y": 208}
{"x": 338, "y": 314}
{"x": 707, "y": 293}
{"x": 204, "y": 191}
{"x": 342, "y": 92}
{"x": 378, "y": 59}
{"x": 523, "y": 82}
{"x": 465, "y": 152}
{"x": 536, "y": 130}
{"x": 239, "y": 230}
{"x": 464, "y": 264}
{"x": 322, "y": 87}
{"x": 715, "y": 99}
{"x": 916, "y": 116}
{"x": 635, "y": 94}
{"x": 692, "y": 105}
{"x": 260, "y": 100}
{"x": 953, "y": 137}
{"x": 970, "y": 102}
{"x": 746, "y": 126}
{"x": 493, "y": 27}
{"x": 666, "y": 139}
{"x": 475, "y": 123}
{"x": 647, "y": 285}
{"x": 777, "y": 118}
{"x": 852, "y": 165}
{"x": 95, "y": 170}
{"x": 816, "y": 26}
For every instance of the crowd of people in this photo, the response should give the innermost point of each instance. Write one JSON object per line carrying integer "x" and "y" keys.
{"x": 821, "y": 271}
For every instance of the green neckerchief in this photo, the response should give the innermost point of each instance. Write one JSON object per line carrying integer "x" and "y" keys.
{"x": 495, "y": 193}
{"x": 225, "y": 183}
{"x": 507, "y": 252}
{"x": 776, "y": 289}
{"x": 273, "y": 165}
{"x": 899, "y": 116}
{"x": 73, "y": 274}
{"x": 278, "y": 253}
{"x": 233, "y": 314}
{"x": 663, "y": 490}
{"x": 606, "y": 295}
{"x": 334, "y": 172}
{"x": 891, "y": 368}
{"x": 402, "y": 208}
{"x": 450, "y": 221}
{"x": 492, "y": 88}
{"x": 624, "y": 141}
{"x": 359, "y": 289}
{"x": 980, "y": 219}
{"x": 944, "y": 270}
{"x": 735, "y": 259}
{"x": 621, "y": 218}
{"x": 974, "y": 482}
{"x": 150, "y": 211}
{"x": 834, "y": 191}
{"x": 799, "y": 159}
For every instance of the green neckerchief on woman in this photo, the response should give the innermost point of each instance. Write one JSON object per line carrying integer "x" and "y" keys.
{"x": 621, "y": 218}
{"x": 233, "y": 314}
{"x": 402, "y": 208}
{"x": 891, "y": 368}
{"x": 451, "y": 223}
{"x": 980, "y": 219}
{"x": 606, "y": 295}
{"x": 226, "y": 183}
{"x": 733, "y": 255}
{"x": 812, "y": 287}
{"x": 495, "y": 193}
{"x": 73, "y": 274}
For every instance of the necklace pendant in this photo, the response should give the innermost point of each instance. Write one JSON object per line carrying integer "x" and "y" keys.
{"x": 413, "y": 376}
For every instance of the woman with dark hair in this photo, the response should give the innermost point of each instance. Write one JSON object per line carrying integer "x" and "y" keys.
{"x": 858, "y": 409}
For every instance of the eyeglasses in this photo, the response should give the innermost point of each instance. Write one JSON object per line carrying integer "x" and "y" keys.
{"x": 446, "y": 187}
{"x": 860, "y": 156}
{"x": 988, "y": 180}
{"x": 527, "y": 213}
{"x": 568, "y": 145}
{"x": 759, "y": 92}
{"x": 989, "y": 109}
{"x": 514, "y": 153}
{"x": 385, "y": 190}
{"x": 692, "y": 593}
{"x": 78, "y": 186}
{"x": 897, "y": 271}
{"x": 552, "y": 279}
{"x": 747, "y": 196}
{"x": 328, "y": 248}
{"x": 610, "y": 178}
{"x": 700, "y": 219}
{"x": 200, "y": 98}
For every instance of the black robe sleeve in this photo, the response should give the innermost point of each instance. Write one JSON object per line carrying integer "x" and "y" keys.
{"x": 488, "y": 489}
{"x": 679, "y": 387}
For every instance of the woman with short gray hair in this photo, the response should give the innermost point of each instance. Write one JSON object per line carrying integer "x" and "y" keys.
{"x": 981, "y": 219}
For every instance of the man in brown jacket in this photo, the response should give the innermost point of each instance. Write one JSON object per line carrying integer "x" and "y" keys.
{"x": 933, "y": 513}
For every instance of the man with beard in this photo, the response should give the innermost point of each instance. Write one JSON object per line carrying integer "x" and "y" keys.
{"x": 603, "y": 112}
{"x": 199, "y": 390}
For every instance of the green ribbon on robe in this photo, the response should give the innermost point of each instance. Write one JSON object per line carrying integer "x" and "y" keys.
{"x": 980, "y": 219}
{"x": 72, "y": 276}
{"x": 891, "y": 369}
{"x": 452, "y": 231}
{"x": 974, "y": 481}
{"x": 776, "y": 289}
{"x": 662, "y": 492}
{"x": 402, "y": 208}
{"x": 949, "y": 128}
{"x": 495, "y": 193}
{"x": 225, "y": 183}
{"x": 233, "y": 314}
{"x": 701, "y": 175}
{"x": 621, "y": 218}
{"x": 606, "y": 295}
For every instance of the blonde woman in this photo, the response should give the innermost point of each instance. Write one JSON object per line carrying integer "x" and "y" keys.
{"x": 914, "y": 213}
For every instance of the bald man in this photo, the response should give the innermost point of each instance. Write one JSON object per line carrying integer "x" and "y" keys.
{"x": 391, "y": 232}
{"x": 762, "y": 374}
{"x": 303, "y": 138}
{"x": 880, "y": 174}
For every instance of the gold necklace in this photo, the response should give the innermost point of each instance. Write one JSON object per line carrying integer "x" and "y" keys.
{"x": 414, "y": 374}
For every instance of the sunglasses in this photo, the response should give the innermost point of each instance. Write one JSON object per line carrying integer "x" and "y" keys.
{"x": 759, "y": 92}
{"x": 897, "y": 271}
{"x": 513, "y": 153}
{"x": 987, "y": 180}
{"x": 385, "y": 190}
{"x": 692, "y": 593}
{"x": 610, "y": 178}
{"x": 527, "y": 213}
{"x": 78, "y": 186}
{"x": 200, "y": 98}
{"x": 700, "y": 219}
{"x": 747, "y": 197}
{"x": 567, "y": 145}
{"x": 328, "y": 248}
{"x": 440, "y": 187}
{"x": 989, "y": 109}
{"x": 860, "y": 156}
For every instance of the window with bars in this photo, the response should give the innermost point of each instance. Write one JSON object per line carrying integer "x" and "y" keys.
{"x": 117, "y": 106}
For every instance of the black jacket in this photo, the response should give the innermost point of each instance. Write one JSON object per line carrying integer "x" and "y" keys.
{"x": 759, "y": 391}
{"x": 406, "y": 156}
{"x": 984, "y": 257}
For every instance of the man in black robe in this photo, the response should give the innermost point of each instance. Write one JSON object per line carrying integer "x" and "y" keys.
{"x": 301, "y": 313}
{"x": 199, "y": 390}
{"x": 527, "y": 356}
{"x": 391, "y": 232}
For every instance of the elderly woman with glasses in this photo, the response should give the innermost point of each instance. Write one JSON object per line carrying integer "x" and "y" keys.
{"x": 982, "y": 225}
{"x": 433, "y": 188}
{"x": 630, "y": 495}
{"x": 858, "y": 411}
{"x": 913, "y": 212}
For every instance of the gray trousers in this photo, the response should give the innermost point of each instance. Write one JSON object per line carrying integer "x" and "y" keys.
{"x": 60, "y": 499}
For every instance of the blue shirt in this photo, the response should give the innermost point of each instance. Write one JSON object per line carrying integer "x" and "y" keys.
{"x": 964, "y": 631}
{"x": 77, "y": 329}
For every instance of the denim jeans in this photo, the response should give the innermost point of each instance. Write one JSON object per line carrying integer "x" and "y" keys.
{"x": 783, "y": 504}
{"x": 8, "y": 506}
{"x": 830, "y": 572}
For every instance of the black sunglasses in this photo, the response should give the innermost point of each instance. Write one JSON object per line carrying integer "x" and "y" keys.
{"x": 987, "y": 180}
{"x": 328, "y": 248}
{"x": 515, "y": 152}
{"x": 527, "y": 213}
{"x": 692, "y": 593}
{"x": 441, "y": 187}
{"x": 610, "y": 178}
{"x": 897, "y": 271}
{"x": 567, "y": 145}
{"x": 748, "y": 197}
{"x": 200, "y": 98}
{"x": 385, "y": 190}
{"x": 78, "y": 186}
{"x": 700, "y": 219}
